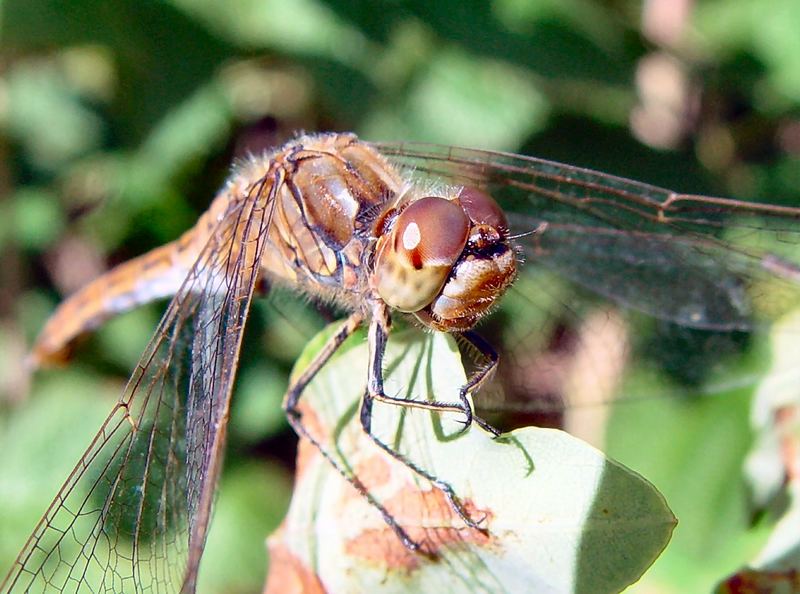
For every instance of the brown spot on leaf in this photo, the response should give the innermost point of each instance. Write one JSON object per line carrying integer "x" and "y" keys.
{"x": 306, "y": 451}
{"x": 374, "y": 472}
{"x": 429, "y": 520}
{"x": 287, "y": 573}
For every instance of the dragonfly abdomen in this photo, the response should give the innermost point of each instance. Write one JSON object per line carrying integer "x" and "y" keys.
{"x": 154, "y": 275}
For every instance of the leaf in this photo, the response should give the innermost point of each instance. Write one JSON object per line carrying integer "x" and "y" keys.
{"x": 775, "y": 568}
{"x": 558, "y": 515}
{"x": 774, "y": 407}
{"x": 772, "y": 468}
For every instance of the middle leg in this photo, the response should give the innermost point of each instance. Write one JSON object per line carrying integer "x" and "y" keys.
{"x": 377, "y": 338}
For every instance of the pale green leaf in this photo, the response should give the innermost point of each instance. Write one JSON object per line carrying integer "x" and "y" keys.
{"x": 559, "y": 516}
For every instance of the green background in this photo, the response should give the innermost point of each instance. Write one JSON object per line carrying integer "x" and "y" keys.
{"x": 120, "y": 118}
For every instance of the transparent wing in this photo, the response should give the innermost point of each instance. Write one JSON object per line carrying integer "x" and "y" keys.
{"x": 133, "y": 515}
{"x": 694, "y": 260}
{"x": 714, "y": 273}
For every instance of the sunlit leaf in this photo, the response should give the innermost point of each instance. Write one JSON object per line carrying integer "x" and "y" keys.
{"x": 557, "y": 514}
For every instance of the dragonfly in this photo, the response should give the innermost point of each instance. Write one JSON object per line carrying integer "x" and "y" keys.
{"x": 436, "y": 235}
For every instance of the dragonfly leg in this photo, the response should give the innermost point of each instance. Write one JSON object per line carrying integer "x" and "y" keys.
{"x": 295, "y": 390}
{"x": 378, "y": 335}
{"x": 293, "y": 414}
{"x": 377, "y": 342}
{"x": 479, "y": 377}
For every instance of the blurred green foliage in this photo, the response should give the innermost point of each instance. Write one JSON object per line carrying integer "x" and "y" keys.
{"x": 120, "y": 118}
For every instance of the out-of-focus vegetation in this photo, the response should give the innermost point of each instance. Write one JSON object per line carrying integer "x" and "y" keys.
{"x": 120, "y": 118}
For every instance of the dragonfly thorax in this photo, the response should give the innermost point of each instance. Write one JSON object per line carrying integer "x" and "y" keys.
{"x": 342, "y": 205}
{"x": 323, "y": 215}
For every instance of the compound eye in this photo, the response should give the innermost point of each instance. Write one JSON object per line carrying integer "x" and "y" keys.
{"x": 482, "y": 208}
{"x": 413, "y": 263}
{"x": 431, "y": 232}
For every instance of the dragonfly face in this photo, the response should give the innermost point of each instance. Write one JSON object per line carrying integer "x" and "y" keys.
{"x": 445, "y": 260}
{"x": 416, "y": 229}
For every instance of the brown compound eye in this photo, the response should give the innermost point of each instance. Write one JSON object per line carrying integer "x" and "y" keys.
{"x": 414, "y": 260}
{"x": 482, "y": 208}
{"x": 431, "y": 232}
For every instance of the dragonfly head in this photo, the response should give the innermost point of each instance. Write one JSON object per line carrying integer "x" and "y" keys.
{"x": 446, "y": 260}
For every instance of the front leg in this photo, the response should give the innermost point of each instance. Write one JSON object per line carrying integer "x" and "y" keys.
{"x": 478, "y": 379}
{"x": 377, "y": 337}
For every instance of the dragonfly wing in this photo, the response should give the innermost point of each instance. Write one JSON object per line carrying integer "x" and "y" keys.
{"x": 677, "y": 278}
{"x": 694, "y": 260}
{"x": 134, "y": 513}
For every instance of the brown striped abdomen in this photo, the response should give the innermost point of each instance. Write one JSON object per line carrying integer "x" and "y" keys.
{"x": 154, "y": 275}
